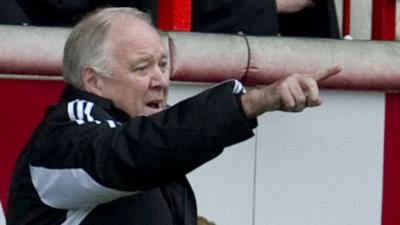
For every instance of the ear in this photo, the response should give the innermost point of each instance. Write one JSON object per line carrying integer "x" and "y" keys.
{"x": 91, "y": 81}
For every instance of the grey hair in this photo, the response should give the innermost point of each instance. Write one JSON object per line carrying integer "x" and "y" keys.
{"x": 88, "y": 45}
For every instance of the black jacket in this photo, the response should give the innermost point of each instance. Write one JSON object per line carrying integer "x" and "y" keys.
{"x": 89, "y": 163}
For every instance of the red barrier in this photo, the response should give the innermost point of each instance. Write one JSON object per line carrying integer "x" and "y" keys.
{"x": 346, "y": 24}
{"x": 175, "y": 15}
{"x": 384, "y": 28}
{"x": 23, "y": 105}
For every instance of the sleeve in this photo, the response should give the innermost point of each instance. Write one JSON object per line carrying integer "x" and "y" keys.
{"x": 97, "y": 163}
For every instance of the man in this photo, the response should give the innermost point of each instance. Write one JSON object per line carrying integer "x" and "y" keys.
{"x": 111, "y": 152}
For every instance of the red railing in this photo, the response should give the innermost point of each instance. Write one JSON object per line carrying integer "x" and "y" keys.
{"x": 384, "y": 28}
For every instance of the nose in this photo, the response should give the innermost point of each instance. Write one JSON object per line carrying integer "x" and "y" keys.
{"x": 159, "y": 79}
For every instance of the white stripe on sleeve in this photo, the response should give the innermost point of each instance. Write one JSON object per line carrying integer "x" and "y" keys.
{"x": 80, "y": 111}
{"x": 71, "y": 111}
{"x": 111, "y": 123}
{"x": 238, "y": 88}
{"x": 88, "y": 110}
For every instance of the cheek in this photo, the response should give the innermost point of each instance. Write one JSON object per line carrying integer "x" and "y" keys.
{"x": 134, "y": 92}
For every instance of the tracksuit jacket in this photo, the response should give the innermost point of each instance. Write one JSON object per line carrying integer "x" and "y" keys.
{"x": 88, "y": 163}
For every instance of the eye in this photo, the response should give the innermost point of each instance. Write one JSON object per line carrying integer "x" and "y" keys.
{"x": 140, "y": 69}
{"x": 163, "y": 66}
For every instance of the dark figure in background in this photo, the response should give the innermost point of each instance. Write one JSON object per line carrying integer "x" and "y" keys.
{"x": 11, "y": 13}
{"x": 319, "y": 20}
{"x": 306, "y": 18}
{"x": 64, "y": 13}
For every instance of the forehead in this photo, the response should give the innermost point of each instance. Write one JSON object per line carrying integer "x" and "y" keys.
{"x": 133, "y": 35}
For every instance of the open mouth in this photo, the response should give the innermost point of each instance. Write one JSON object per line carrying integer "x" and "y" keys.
{"x": 154, "y": 105}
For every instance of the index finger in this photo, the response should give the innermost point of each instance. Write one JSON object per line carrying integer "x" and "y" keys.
{"x": 325, "y": 74}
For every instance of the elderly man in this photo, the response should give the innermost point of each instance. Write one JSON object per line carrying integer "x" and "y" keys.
{"x": 111, "y": 152}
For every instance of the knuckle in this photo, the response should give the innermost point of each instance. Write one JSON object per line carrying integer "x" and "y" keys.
{"x": 310, "y": 84}
{"x": 308, "y": 79}
{"x": 282, "y": 87}
{"x": 294, "y": 76}
{"x": 301, "y": 99}
{"x": 311, "y": 81}
{"x": 289, "y": 106}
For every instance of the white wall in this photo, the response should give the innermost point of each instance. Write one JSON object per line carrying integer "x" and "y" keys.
{"x": 322, "y": 166}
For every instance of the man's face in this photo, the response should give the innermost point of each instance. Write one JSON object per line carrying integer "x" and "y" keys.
{"x": 139, "y": 81}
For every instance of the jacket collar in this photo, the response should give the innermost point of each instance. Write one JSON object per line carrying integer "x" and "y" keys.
{"x": 71, "y": 93}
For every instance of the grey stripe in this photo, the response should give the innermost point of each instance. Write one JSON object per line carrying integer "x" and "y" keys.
{"x": 71, "y": 189}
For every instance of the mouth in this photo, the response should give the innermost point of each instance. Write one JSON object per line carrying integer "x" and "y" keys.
{"x": 155, "y": 105}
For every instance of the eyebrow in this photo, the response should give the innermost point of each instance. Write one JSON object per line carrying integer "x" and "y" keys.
{"x": 141, "y": 59}
{"x": 145, "y": 59}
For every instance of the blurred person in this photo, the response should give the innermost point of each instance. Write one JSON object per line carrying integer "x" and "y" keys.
{"x": 305, "y": 18}
{"x": 111, "y": 152}
{"x": 318, "y": 19}
{"x": 57, "y": 13}
{"x": 11, "y": 13}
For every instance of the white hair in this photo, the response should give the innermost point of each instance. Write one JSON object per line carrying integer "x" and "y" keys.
{"x": 88, "y": 45}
